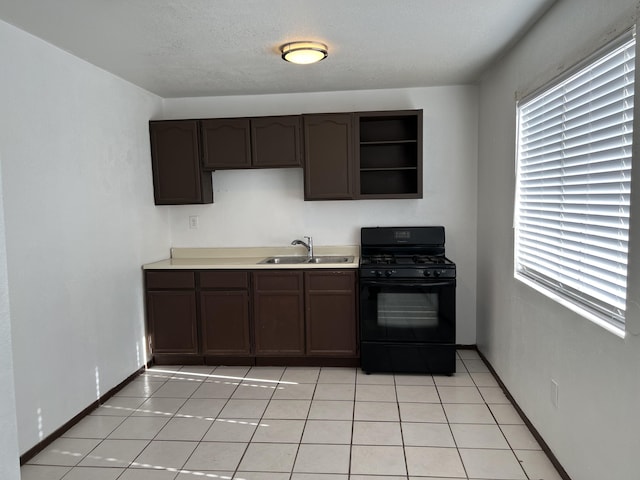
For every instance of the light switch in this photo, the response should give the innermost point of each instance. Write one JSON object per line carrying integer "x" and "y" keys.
{"x": 194, "y": 222}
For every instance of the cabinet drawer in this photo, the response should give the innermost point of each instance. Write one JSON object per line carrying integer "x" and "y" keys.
{"x": 277, "y": 281}
{"x": 170, "y": 280}
{"x": 330, "y": 280}
{"x": 224, "y": 280}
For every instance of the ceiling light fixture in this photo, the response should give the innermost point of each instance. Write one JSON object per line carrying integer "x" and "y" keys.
{"x": 304, "y": 53}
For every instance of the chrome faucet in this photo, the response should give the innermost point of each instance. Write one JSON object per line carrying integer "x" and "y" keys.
{"x": 308, "y": 245}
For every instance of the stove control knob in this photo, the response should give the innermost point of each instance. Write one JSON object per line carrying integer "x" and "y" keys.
{"x": 436, "y": 273}
{"x": 427, "y": 273}
{"x": 387, "y": 273}
{"x": 378, "y": 273}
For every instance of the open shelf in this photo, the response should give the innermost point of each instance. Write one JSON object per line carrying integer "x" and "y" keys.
{"x": 388, "y": 142}
{"x": 386, "y": 169}
{"x": 388, "y": 182}
{"x": 390, "y": 154}
{"x": 388, "y": 128}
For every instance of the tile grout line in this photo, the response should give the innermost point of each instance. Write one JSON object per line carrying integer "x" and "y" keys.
{"x": 304, "y": 427}
{"x": 259, "y": 421}
{"x": 499, "y": 428}
{"x": 353, "y": 422}
{"x": 191, "y": 397}
{"x": 186, "y": 399}
{"x": 404, "y": 448}
{"x": 455, "y": 442}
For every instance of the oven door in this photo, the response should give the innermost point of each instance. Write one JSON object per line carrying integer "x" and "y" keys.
{"x": 407, "y": 311}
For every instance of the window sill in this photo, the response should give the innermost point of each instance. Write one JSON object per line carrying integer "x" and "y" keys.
{"x": 618, "y": 332}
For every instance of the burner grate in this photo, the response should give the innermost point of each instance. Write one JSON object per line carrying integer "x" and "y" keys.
{"x": 428, "y": 260}
{"x": 382, "y": 259}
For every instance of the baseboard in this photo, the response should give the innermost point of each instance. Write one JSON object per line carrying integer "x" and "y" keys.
{"x": 37, "y": 448}
{"x": 561, "y": 471}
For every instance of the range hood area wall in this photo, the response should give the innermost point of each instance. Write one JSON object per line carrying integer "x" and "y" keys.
{"x": 266, "y": 207}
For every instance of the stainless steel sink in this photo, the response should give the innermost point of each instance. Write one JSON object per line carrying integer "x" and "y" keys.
{"x": 292, "y": 260}
{"x": 330, "y": 259}
{"x": 286, "y": 260}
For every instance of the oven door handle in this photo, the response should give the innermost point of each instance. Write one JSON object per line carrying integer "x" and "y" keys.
{"x": 375, "y": 283}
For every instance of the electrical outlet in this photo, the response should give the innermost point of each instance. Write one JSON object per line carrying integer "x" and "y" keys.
{"x": 194, "y": 222}
{"x": 554, "y": 393}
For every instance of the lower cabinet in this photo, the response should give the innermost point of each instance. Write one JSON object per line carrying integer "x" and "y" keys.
{"x": 224, "y": 313}
{"x": 172, "y": 313}
{"x": 278, "y": 312}
{"x": 173, "y": 321}
{"x": 269, "y": 317}
{"x": 331, "y": 313}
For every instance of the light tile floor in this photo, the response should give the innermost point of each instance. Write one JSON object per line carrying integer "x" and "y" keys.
{"x": 185, "y": 422}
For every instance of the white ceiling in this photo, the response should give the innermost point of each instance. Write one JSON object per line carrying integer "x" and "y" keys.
{"x": 181, "y": 48}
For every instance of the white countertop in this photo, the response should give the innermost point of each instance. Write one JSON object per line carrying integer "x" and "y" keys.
{"x": 250, "y": 257}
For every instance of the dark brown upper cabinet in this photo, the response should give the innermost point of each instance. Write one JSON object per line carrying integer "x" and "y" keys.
{"x": 389, "y": 154}
{"x": 328, "y": 157}
{"x": 175, "y": 156}
{"x": 276, "y": 141}
{"x": 346, "y": 156}
{"x": 226, "y": 143}
{"x": 262, "y": 142}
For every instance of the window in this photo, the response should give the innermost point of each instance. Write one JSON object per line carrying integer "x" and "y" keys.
{"x": 573, "y": 185}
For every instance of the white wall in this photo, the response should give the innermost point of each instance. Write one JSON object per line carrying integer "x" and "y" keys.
{"x": 9, "y": 464}
{"x": 80, "y": 221}
{"x": 266, "y": 207}
{"x": 529, "y": 339}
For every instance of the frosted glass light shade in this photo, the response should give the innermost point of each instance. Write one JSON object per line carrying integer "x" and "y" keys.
{"x": 304, "y": 53}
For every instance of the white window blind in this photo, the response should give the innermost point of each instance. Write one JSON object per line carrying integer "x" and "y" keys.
{"x": 573, "y": 184}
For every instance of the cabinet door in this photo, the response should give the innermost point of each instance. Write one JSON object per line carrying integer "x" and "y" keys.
{"x": 225, "y": 322}
{"x": 175, "y": 156}
{"x": 330, "y": 299}
{"x": 276, "y": 141}
{"x": 328, "y": 157}
{"x": 278, "y": 313}
{"x": 226, "y": 143}
{"x": 171, "y": 316}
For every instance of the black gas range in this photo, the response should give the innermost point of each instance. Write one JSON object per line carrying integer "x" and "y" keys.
{"x": 407, "y": 301}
